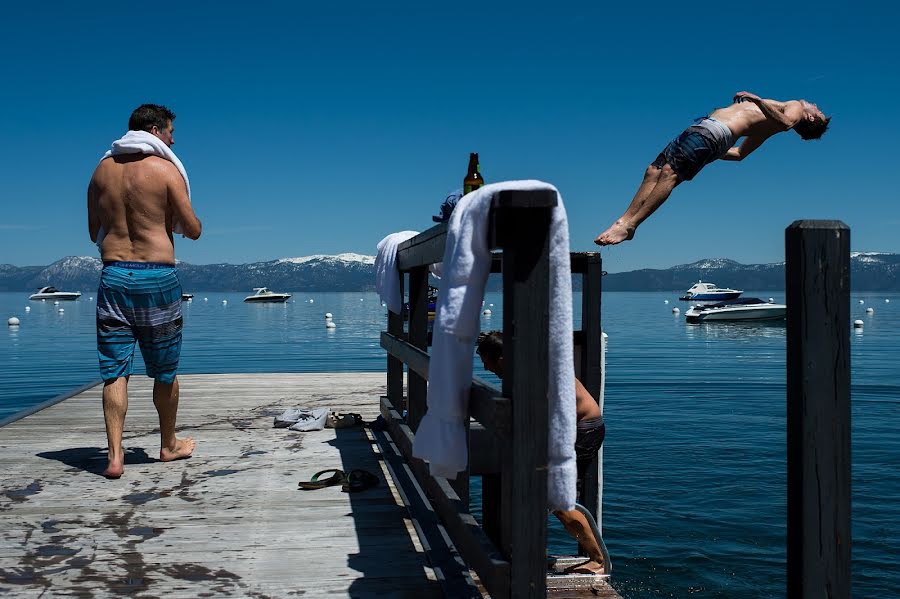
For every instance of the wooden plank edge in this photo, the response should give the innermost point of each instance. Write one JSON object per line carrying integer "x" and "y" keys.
{"x": 469, "y": 539}
{"x": 46, "y": 404}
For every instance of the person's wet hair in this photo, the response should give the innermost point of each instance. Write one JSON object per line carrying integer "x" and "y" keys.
{"x": 490, "y": 345}
{"x": 812, "y": 129}
{"x": 147, "y": 116}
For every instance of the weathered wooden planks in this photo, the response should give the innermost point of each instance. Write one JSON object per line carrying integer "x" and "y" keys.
{"x": 228, "y": 522}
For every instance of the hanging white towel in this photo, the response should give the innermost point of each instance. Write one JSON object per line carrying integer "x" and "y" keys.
{"x": 142, "y": 142}
{"x": 440, "y": 438}
{"x": 387, "y": 277}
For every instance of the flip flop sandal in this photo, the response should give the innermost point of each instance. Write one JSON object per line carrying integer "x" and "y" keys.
{"x": 359, "y": 480}
{"x": 316, "y": 483}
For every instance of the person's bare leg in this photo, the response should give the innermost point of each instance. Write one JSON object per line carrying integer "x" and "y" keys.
{"x": 580, "y": 529}
{"x": 115, "y": 405}
{"x": 654, "y": 190}
{"x": 165, "y": 398}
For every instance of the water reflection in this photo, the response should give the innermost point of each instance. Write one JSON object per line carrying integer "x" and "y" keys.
{"x": 772, "y": 329}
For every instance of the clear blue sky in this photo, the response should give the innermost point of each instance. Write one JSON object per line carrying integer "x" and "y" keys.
{"x": 319, "y": 127}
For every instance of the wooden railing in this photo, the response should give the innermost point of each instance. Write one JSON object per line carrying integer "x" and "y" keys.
{"x": 508, "y": 438}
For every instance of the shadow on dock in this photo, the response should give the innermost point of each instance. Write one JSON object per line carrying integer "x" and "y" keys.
{"x": 94, "y": 459}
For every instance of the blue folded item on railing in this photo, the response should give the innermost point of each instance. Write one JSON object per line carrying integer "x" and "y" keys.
{"x": 447, "y": 206}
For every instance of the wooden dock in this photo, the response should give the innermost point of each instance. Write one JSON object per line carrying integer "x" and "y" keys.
{"x": 227, "y": 522}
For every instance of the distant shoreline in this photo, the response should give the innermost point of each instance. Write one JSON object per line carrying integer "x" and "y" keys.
{"x": 869, "y": 272}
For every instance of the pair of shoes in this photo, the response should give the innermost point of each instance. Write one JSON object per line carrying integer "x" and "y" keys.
{"x": 302, "y": 419}
{"x": 342, "y": 419}
{"x": 352, "y": 482}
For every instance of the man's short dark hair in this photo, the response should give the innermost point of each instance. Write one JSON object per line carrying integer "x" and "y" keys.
{"x": 490, "y": 345}
{"x": 813, "y": 129}
{"x": 147, "y": 116}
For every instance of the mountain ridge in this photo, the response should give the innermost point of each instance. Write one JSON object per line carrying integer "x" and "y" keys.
{"x": 869, "y": 271}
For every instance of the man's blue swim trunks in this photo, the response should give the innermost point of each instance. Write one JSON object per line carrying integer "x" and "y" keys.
{"x": 139, "y": 301}
{"x": 698, "y": 145}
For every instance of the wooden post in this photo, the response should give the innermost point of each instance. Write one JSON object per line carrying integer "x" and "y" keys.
{"x": 418, "y": 336}
{"x": 524, "y": 235}
{"x": 395, "y": 365}
{"x": 817, "y": 284}
{"x": 592, "y": 374}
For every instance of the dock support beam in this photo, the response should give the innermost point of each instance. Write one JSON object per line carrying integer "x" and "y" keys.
{"x": 817, "y": 285}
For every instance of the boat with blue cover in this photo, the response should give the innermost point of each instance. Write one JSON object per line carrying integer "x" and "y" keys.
{"x": 709, "y": 292}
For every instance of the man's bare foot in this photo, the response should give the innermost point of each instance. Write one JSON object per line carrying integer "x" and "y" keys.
{"x": 617, "y": 233}
{"x": 588, "y": 567}
{"x": 115, "y": 469}
{"x": 183, "y": 449}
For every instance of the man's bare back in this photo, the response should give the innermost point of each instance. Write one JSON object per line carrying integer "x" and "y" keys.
{"x": 135, "y": 198}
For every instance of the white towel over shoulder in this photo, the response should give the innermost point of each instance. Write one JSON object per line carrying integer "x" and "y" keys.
{"x": 440, "y": 438}
{"x": 142, "y": 142}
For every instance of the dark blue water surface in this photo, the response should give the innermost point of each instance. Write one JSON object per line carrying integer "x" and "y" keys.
{"x": 694, "y": 458}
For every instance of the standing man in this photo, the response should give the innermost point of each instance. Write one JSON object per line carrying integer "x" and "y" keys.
{"x": 138, "y": 195}
{"x": 711, "y": 138}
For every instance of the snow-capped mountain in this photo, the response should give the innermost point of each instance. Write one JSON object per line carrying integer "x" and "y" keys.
{"x": 870, "y": 271}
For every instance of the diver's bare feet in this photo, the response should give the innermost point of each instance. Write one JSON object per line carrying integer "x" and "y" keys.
{"x": 619, "y": 231}
{"x": 183, "y": 449}
{"x": 116, "y": 467}
{"x": 588, "y": 567}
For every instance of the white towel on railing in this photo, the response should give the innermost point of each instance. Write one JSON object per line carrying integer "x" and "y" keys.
{"x": 143, "y": 142}
{"x": 387, "y": 277}
{"x": 441, "y": 438}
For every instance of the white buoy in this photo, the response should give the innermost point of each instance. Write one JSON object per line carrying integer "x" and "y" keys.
{"x": 887, "y": 301}
{"x": 13, "y": 322}
{"x": 311, "y": 301}
{"x": 362, "y": 299}
{"x": 487, "y": 312}
{"x": 328, "y": 316}
{"x": 491, "y": 305}
{"x": 771, "y": 300}
{"x": 330, "y": 325}
{"x": 665, "y": 301}
{"x": 224, "y": 302}
{"x": 55, "y": 303}
{"x": 43, "y": 300}
{"x": 676, "y": 311}
{"x": 205, "y": 299}
{"x": 61, "y": 310}
{"x": 862, "y": 301}
{"x": 858, "y": 324}
{"x": 91, "y": 298}
{"x": 28, "y": 308}
{"x": 870, "y": 310}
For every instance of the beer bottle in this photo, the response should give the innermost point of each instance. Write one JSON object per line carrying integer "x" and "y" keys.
{"x": 473, "y": 179}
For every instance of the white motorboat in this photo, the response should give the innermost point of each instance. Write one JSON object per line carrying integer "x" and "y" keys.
{"x": 746, "y": 308}
{"x": 263, "y": 295}
{"x": 708, "y": 292}
{"x": 52, "y": 293}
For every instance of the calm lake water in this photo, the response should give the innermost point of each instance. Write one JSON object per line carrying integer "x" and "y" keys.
{"x": 695, "y": 466}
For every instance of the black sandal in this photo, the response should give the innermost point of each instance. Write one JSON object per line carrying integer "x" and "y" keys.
{"x": 311, "y": 485}
{"x": 359, "y": 480}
